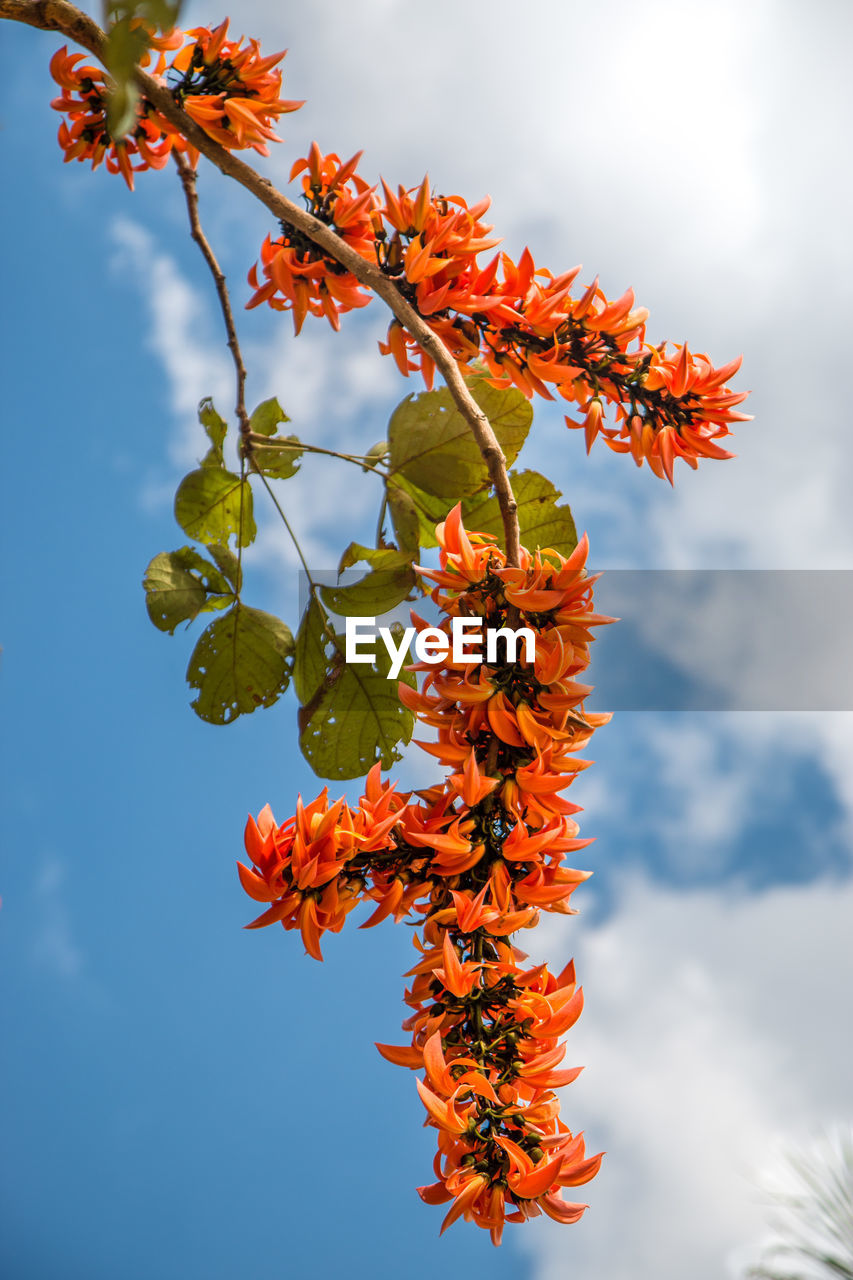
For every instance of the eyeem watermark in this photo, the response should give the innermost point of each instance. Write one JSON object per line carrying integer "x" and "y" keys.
{"x": 464, "y": 644}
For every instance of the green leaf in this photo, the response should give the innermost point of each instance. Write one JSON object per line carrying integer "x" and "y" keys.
{"x": 374, "y": 455}
{"x": 228, "y": 563}
{"x": 216, "y": 429}
{"x": 162, "y": 13}
{"x": 310, "y": 657}
{"x": 280, "y": 458}
{"x": 542, "y": 523}
{"x": 179, "y": 585}
{"x": 207, "y": 507}
{"x": 266, "y": 417}
{"x": 126, "y": 43}
{"x": 376, "y": 557}
{"x": 355, "y": 719}
{"x": 374, "y": 594}
{"x": 157, "y": 13}
{"x": 431, "y": 444}
{"x": 121, "y": 106}
{"x": 391, "y": 579}
{"x": 240, "y": 663}
{"x": 124, "y": 48}
{"x": 509, "y": 412}
{"x": 429, "y": 510}
{"x": 404, "y": 517}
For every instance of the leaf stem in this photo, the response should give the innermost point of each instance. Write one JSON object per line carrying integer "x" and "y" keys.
{"x": 287, "y": 525}
{"x": 270, "y": 442}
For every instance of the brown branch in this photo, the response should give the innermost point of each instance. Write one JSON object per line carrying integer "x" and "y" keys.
{"x": 49, "y": 15}
{"x": 58, "y": 15}
{"x": 188, "y": 182}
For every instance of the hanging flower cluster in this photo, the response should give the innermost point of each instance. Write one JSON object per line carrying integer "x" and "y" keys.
{"x": 520, "y": 320}
{"x": 228, "y": 88}
{"x": 477, "y": 857}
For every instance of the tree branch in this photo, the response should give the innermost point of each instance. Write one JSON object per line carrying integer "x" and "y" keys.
{"x": 58, "y": 15}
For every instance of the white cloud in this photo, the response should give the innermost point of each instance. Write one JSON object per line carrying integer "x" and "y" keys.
{"x": 708, "y": 777}
{"x": 179, "y": 334}
{"x": 690, "y": 786}
{"x": 54, "y": 947}
{"x": 713, "y": 1024}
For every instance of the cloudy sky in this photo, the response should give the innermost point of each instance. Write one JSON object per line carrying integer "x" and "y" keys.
{"x": 185, "y": 1099}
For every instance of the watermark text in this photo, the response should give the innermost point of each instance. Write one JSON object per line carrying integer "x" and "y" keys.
{"x": 464, "y": 644}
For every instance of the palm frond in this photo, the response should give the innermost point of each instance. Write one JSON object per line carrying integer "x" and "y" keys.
{"x": 812, "y": 1215}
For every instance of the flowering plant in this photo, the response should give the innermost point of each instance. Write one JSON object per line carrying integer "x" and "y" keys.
{"x": 476, "y": 857}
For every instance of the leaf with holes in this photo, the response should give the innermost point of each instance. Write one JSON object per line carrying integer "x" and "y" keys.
{"x": 241, "y": 662}
{"x": 386, "y": 586}
{"x": 310, "y": 658}
{"x": 179, "y": 585}
{"x": 355, "y": 718}
{"x": 207, "y": 507}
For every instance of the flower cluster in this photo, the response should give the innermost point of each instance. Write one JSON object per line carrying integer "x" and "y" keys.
{"x": 85, "y": 134}
{"x": 316, "y": 867}
{"x": 521, "y": 321}
{"x": 228, "y": 89}
{"x": 476, "y": 858}
{"x": 298, "y": 276}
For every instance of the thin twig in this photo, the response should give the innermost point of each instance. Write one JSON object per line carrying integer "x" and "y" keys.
{"x": 314, "y": 587}
{"x": 58, "y": 15}
{"x": 249, "y": 439}
{"x": 286, "y": 522}
{"x": 273, "y": 442}
{"x": 188, "y": 182}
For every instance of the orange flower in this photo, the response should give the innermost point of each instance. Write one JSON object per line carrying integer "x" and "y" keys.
{"x": 230, "y": 90}
{"x": 86, "y": 136}
{"x": 521, "y": 321}
{"x": 504, "y": 1156}
{"x": 315, "y": 868}
{"x": 299, "y": 277}
{"x": 518, "y": 319}
{"x": 476, "y": 858}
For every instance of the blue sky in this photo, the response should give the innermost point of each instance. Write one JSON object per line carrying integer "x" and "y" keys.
{"x": 185, "y": 1099}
